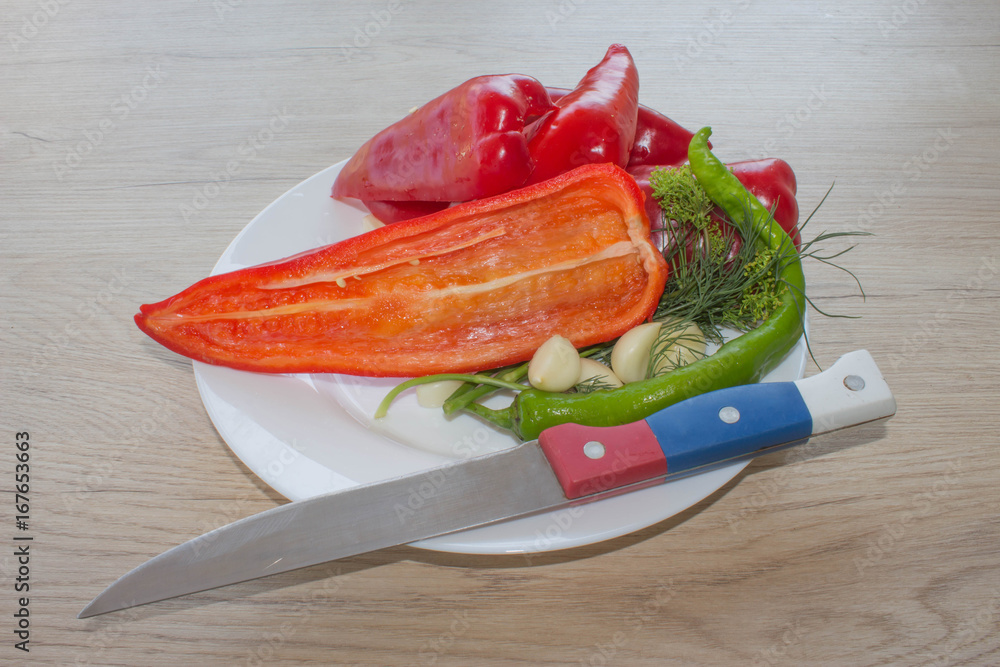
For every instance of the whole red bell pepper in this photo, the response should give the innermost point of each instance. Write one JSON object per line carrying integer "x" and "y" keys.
{"x": 592, "y": 126}
{"x": 658, "y": 140}
{"x": 475, "y": 286}
{"x": 466, "y": 144}
{"x": 397, "y": 211}
{"x": 770, "y": 180}
{"x": 594, "y": 122}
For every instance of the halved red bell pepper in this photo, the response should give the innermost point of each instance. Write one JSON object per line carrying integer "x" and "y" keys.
{"x": 595, "y": 122}
{"x": 466, "y": 144}
{"x": 476, "y": 286}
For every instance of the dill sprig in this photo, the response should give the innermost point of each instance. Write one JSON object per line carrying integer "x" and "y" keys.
{"x": 676, "y": 345}
{"x": 593, "y": 384}
{"x": 712, "y": 286}
{"x": 681, "y": 197}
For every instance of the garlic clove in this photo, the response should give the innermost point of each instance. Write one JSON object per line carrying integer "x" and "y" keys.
{"x": 555, "y": 366}
{"x": 681, "y": 343}
{"x": 630, "y": 355}
{"x": 370, "y": 222}
{"x": 434, "y": 394}
{"x": 597, "y": 375}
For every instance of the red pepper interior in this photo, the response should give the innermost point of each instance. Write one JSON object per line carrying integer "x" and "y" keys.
{"x": 473, "y": 287}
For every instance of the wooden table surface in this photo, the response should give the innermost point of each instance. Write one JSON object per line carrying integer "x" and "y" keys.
{"x": 119, "y": 122}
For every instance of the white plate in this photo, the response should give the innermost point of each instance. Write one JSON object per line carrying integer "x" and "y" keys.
{"x": 305, "y": 435}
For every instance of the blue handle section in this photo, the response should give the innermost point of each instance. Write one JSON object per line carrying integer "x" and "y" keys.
{"x": 730, "y": 423}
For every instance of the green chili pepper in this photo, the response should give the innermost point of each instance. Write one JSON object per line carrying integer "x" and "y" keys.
{"x": 743, "y": 360}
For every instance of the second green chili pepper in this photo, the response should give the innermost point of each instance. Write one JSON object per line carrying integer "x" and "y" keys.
{"x": 743, "y": 360}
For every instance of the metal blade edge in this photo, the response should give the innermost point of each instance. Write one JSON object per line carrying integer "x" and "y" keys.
{"x": 345, "y": 523}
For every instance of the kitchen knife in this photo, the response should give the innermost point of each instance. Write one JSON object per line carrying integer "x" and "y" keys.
{"x": 568, "y": 464}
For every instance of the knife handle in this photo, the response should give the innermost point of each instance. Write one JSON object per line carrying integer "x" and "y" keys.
{"x": 720, "y": 426}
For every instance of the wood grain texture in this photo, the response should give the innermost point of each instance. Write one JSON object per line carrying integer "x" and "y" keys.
{"x": 880, "y": 550}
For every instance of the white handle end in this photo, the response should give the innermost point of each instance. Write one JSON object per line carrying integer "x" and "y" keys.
{"x": 852, "y": 391}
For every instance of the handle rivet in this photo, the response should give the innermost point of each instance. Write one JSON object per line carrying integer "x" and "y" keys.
{"x": 854, "y": 382}
{"x": 729, "y": 414}
{"x": 593, "y": 450}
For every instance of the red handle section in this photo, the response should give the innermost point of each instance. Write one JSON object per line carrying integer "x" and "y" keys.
{"x": 591, "y": 459}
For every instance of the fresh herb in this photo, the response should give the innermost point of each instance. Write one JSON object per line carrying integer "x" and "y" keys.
{"x": 681, "y": 197}
{"x": 593, "y": 384}
{"x": 471, "y": 379}
{"x": 677, "y": 344}
{"x": 709, "y": 284}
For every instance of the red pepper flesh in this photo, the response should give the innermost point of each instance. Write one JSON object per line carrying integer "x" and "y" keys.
{"x": 466, "y": 144}
{"x": 595, "y": 122}
{"x": 475, "y": 286}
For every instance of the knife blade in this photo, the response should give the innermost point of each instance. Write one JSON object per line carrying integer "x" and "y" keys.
{"x": 568, "y": 464}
